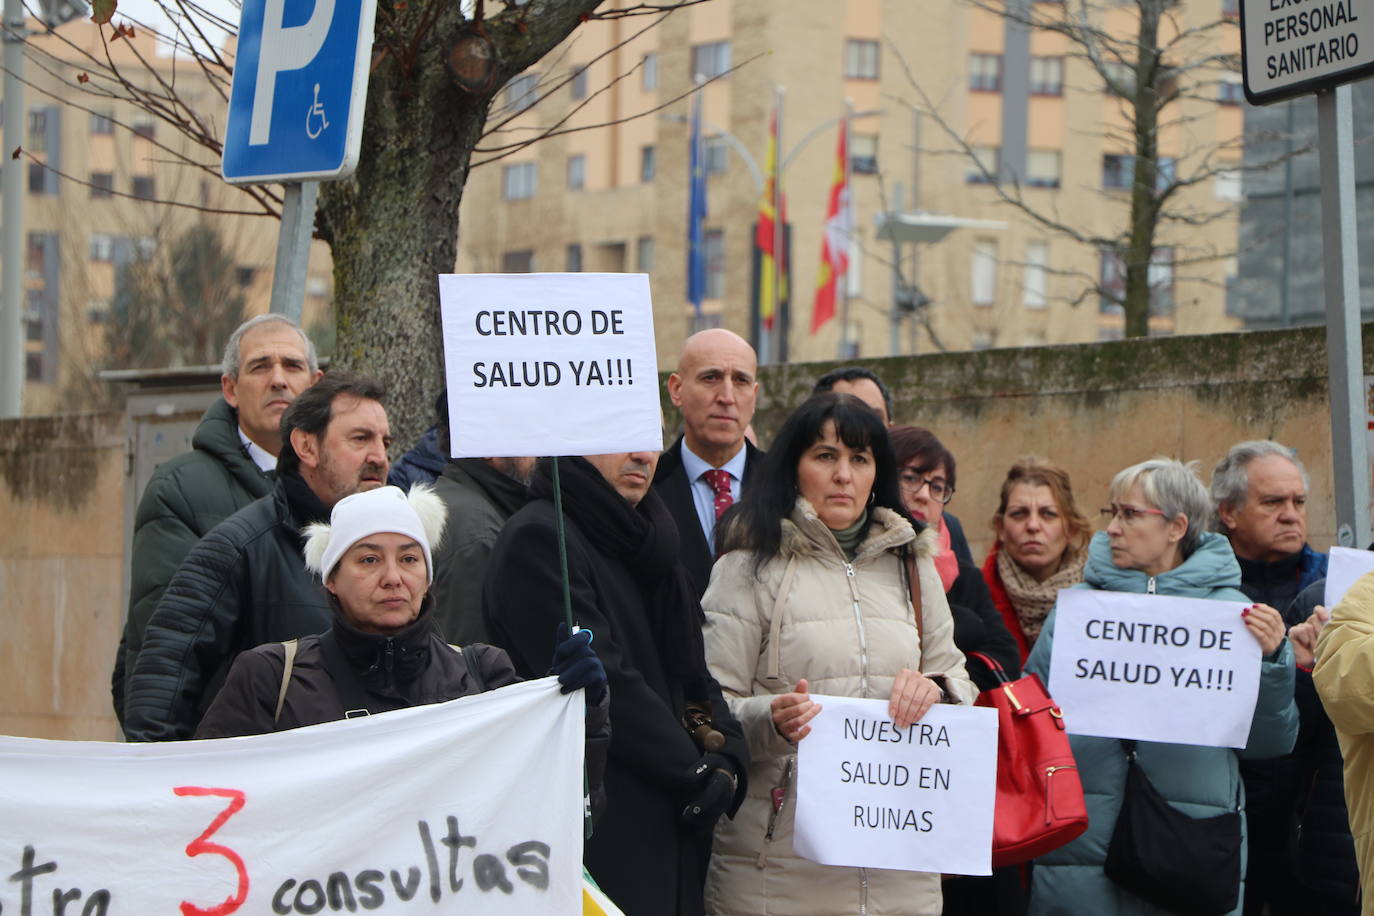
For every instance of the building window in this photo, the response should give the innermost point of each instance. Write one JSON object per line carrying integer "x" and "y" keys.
{"x": 578, "y": 84}
{"x": 1230, "y": 92}
{"x": 983, "y": 168}
{"x": 1042, "y": 168}
{"x": 102, "y": 184}
{"x": 982, "y": 340}
{"x": 38, "y": 183}
{"x": 102, "y": 247}
{"x": 644, "y": 254}
{"x": 573, "y": 261}
{"x": 713, "y": 243}
{"x": 145, "y": 246}
{"x": 522, "y": 92}
{"x": 1047, "y": 76}
{"x": 860, "y": 59}
{"x": 1159, "y": 276}
{"x": 648, "y": 163}
{"x": 38, "y": 131}
{"x": 517, "y": 262}
{"x": 710, "y": 60}
{"x": 143, "y": 187}
{"x": 1228, "y": 185}
{"x": 648, "y": 78}
{"x": 102, "y": 122}
{"x": 1230, "y": 8}
{"x": 1120, "y": 73}
{"x": 984, "y": 286}
{"x": 145, "y": 129}
{"x": 1035, "y": 277}
{"x": 98, "y": 311}
{"x": 1161, "y": 279}
{"x": 1118, "y": 172}
{"x": 716, "y": 154}
{"x": 33, "y": 367}
{"x": 863, "y": 154}
{"x": 985, "y": 72}
{"x": 519, "y": 181}
{"x": 577, "y": 172}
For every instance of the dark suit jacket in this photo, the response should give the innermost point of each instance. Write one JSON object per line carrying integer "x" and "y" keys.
{"x": 673, "y": 487}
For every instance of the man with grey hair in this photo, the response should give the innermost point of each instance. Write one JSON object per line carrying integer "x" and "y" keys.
{"x": 267, "y": 362}
{"x": 1259, "y": 491}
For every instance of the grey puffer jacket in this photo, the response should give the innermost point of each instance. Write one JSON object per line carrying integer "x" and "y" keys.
{"x": 849, "y": 629}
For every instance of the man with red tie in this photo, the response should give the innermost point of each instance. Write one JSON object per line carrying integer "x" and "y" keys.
{"x": 715, "y": 386}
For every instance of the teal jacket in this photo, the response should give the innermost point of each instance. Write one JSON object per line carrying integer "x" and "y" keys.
{"x": 1200, "y": 781}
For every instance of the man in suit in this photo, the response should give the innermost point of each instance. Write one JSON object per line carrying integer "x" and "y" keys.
{"x": 715, "y": 386}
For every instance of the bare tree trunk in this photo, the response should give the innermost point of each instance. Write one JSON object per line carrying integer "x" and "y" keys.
{"x": 1144, "y": 187}
{"x": 393, "y": 226}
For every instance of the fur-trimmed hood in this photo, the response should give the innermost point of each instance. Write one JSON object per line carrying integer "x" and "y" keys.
{"x": 805, "y": 534}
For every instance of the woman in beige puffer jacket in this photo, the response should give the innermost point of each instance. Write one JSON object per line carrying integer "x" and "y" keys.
{"x": 812, "y": 595}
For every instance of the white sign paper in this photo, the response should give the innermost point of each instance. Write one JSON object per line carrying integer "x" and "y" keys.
{"x": 917, "y": 799}
{"x": 550, "y": 364}
{"x": 471, "y": 806}
{"x": 1154, "y": 668}
{"x": 1345, "y": 566}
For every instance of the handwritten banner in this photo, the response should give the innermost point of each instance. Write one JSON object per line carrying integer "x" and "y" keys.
{"x": 1344, "y": 567}
{"x": 472, "y": 806}
{"x": 550, "y": 364}
{"x": 1154, "y": 668}
{"x": 918, "y": 799}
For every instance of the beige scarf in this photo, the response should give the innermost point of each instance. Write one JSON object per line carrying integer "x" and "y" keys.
{"x": 1033, "y": 600}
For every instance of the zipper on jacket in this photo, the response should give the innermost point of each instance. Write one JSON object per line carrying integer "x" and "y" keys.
{"x": 859, "y": 623}
{"x": 779, "y": 798}
{"x": 1150, "y": 586}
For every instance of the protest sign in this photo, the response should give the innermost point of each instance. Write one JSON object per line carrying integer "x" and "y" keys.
{"x": 918, "y": 799}
{"x": 1154, "y": 668}
{"x": 550, "y": 364}
{"x": 1343, "y": 568}
{"x": 472, "y": 806}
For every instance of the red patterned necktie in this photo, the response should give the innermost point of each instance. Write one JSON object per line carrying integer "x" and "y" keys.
{"x": 720, "y": 482}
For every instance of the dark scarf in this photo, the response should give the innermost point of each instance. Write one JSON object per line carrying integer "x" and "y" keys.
{"x": 387, "y": 666}
{"x": 305, "y": 506}
{"x": 644, "y": 540}
{"x": 505, "y": 493}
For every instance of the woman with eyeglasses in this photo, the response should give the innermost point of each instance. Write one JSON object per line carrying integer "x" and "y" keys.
{"x": 813, "y": 593}
{"x": 1041, "y": 547}
{"x": 1156, "y": 542}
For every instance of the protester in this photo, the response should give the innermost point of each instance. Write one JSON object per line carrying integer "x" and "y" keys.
{"x": 863, "y": 383}
{"x": 381, "y": 652}
{"x": 627, "y": 583}
{"x": 267, "y": 362}
{"x": 813, "y": 594}
{"x": 1041, "y": 547}
{"x": 1156, "y": 542}
{"x": 425, "y": 461}
{"x": 243, "y": 584}
{"x": 712, "y": 462}
{"x": 481, "y": 494}
{"x": 1259, "y": 491}
{"x": 1344, "y": 677}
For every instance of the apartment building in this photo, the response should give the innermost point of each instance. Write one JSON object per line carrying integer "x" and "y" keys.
{"x": 607, "y": 190}
{"x": 106, "y": 186}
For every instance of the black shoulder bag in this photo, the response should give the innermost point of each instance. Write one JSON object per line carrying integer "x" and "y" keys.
{"x": 1187, "y": 865}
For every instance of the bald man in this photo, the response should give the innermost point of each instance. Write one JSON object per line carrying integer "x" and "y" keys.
{"x": 715, "y": 386}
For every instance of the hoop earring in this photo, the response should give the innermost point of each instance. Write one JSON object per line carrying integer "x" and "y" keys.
{"x": 872, "y": 496}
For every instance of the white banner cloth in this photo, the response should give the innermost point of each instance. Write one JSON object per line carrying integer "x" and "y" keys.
{"x": 1344, "y": 566}
{"x": 472, "y": 806}
{"x": 917, "y": 799}
{"x": 550, "y": 364}
{"x": 1154, "y": 668}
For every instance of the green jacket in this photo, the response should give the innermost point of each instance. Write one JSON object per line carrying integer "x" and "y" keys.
{"x": 1200, "y": 781}
{"x": 186, "y": 497}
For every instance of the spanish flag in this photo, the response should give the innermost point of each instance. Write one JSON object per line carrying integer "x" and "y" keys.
{"x": 839, "y": 228}
{"x": 772, "y": 206}
{"x": 594, "y": 899}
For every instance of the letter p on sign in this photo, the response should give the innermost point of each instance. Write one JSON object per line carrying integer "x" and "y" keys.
{"x": 284, "y": 48}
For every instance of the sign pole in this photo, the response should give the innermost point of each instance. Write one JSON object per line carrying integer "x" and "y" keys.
{"x": 1344, "y": 350}
{"x": 293, "y": 248}
{"x": 13, "y": 361}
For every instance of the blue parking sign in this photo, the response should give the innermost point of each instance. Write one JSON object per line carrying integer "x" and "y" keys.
{"x": 299, "y": 90}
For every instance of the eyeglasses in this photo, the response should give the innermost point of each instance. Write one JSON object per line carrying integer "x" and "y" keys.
{"x": 1128, "y": 514}
{"x": 912, "y": 483}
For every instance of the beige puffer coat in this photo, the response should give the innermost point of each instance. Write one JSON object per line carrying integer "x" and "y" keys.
{"x": 848, "y": 628}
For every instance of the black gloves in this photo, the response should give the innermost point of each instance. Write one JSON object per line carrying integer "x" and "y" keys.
{"x": 577, "y": 666}
{"x": 713, "y": 781}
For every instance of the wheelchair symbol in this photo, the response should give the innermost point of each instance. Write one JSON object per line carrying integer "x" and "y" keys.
{"x": 315, "y": 109}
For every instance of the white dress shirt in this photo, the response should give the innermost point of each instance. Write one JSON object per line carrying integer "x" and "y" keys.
{"x": 703, "y": 494}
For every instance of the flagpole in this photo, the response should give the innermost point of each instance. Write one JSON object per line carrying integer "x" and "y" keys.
{"x": 848, "y": 198}
{"x": 776, "y": 347}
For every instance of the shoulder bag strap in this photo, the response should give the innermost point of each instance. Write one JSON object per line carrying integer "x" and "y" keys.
{"x": 351, "y": 693}
{"x": 775, "y": 629}
{"x": 290, "y": 662}
{"x": 913, "y": 582}
{"x": 474, "y": 671}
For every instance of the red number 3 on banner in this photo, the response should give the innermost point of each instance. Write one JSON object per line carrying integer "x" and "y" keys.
{"x": 201, "y": 844}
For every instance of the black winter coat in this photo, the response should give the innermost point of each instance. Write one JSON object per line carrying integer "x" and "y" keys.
{"x": 244, "y": 584}
{"x": 978, "y": 627}
{"x": 640, "y": 854}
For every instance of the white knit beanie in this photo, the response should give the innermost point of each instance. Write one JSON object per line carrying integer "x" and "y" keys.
{"x": 421, "y": 515}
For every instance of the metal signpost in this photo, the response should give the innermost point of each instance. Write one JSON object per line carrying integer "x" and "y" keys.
{"x": 1289, "y": 49}
{"x": 296, "y": 114}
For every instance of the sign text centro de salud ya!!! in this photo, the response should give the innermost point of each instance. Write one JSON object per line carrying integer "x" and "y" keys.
{"x": 1293, "y": 47}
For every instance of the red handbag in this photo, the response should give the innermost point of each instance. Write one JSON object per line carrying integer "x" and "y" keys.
{"x": 1039, "y": 795}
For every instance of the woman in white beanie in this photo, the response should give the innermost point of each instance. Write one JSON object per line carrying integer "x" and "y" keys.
{"x": 382, "y": 652}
